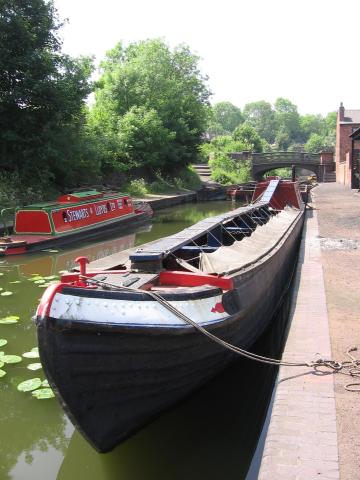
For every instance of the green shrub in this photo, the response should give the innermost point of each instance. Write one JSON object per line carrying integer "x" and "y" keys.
{"x": 226, "y": 170}
{"x": 284, "y": 172}
{"x": 160, "y": 185}
{"x": 188, "y": 179}
{"x": 137, "y": 187}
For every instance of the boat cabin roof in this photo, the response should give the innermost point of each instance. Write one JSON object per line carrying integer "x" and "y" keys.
{"x": 72, "y": 199}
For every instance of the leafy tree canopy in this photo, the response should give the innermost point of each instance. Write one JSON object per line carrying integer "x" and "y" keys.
{"x": 142, "y": 139}
{"x": 226, "y": 117}
{"x": 310, "y": 124}
{"x": 173, "y": 97}
{"x": 261, "y": 116}
{"x": 316, "y": 143}
{"x": 42, "y": 94}
{"x": 330, "y": 120}
{"x": 247, "y": 134}
{"x": 287, "y": 119}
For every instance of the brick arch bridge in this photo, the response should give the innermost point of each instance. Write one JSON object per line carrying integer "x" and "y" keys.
{"x": 319, "y": 163}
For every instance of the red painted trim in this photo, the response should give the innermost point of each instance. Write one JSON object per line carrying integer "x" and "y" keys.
{"x": 189, "y": 279}
{"x": 47, "y": 299}
{"x": 15, "y": 250}
{"x": 286, "y": 193}
{"x": 70, "y": 277}
{"x": 32, "y": 221}
{"x": 74, "y": 277}
{"x": 76, "y": 217}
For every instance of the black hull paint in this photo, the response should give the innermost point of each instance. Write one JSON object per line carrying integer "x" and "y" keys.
{"x": 113, "y": 380}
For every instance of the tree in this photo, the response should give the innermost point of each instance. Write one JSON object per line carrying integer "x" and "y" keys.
{"x": 330, "y": 121}
{"x": 42, "y": 94}
{"x": 149, "y": 75}
{"x": 310, "y": 124}
{"x": 282, "y": 140}
{"x": 247, "y": 134}
{"x": 287, "y": 120}
{"x": 143, "y": 140}
{"x": 226, "y": 117}
{"x": 316, "y": 143}
{"x": 261, "y": 116}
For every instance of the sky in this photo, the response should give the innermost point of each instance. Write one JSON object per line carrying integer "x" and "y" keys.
{"x": 251, "y": 50}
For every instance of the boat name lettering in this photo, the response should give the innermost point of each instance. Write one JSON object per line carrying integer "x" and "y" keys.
{"x": 101, "y": 209}
{"x": 73, "y": 215}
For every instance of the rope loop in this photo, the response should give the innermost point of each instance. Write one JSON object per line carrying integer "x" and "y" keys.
{"x": 348, "y": 367}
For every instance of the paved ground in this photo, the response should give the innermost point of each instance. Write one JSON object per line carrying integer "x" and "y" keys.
{"x": 315, "y": 424}
{"x": 338, "y": 210}
{"x": 301, "y": 441}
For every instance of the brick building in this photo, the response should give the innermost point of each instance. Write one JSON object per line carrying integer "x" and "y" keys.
{"x": 347, "y": 150}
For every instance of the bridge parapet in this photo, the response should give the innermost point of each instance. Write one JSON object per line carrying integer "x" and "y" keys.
{"x": 288, "y": 158}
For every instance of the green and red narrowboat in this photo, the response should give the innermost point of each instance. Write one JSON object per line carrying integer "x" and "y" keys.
{"x": 72, "y": 217}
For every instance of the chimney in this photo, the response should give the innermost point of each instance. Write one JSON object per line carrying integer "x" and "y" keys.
{"x": 341, "y": 112}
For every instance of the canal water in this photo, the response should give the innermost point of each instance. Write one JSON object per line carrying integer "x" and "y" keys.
{"x": 212, "y": 435}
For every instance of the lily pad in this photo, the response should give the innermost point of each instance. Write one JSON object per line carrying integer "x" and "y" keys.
{"x": 29, "y": 385}
{"x": 9, "y": 319}
{"x": 31, "y": 354}
{"x": 1, "y": 289}
{"x": 34, "y": 366}
{"x": 1, "y": 364}
{"x": 3, "y": 342}
{"x": 51, "y": 277}
{"x": 6, "y": 294}
{"x": 2, "y": 373}
{"x": 15, "y": 281}
{"x": 40, "y": 281}
{"x": 43, "y": 393}
{"x": 35, "y": 278}
{"x": 45, "y": 383}
{"x": 1, "y": 274}
{"x": 35, "y": 349}
{"x": 11, "y": 358}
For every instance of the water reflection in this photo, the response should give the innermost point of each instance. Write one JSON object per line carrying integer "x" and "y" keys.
{"x": 26, "y": 426}
{"x": 44, "y": 264}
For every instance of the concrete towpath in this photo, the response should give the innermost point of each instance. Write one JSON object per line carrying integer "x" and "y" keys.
{"x": 314, "y": 430}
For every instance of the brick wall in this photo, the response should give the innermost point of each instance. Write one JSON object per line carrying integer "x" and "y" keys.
{"x": 343, "y": 150}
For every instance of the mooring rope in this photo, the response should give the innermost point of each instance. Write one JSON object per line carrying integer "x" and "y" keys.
{"x": 348, "y": 367}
